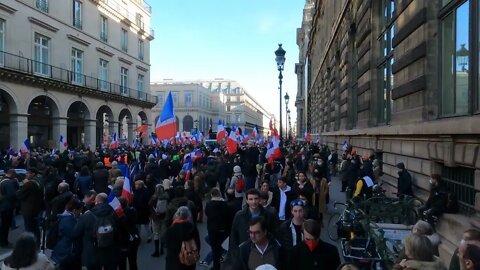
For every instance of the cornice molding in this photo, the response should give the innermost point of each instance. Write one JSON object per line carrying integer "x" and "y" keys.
{"x": 121, "y": 59}
{"x": 43, "y": 24}
{"x": 78, "y": 40}
{"x": 7, "y": 8}
{"x": 101, "y": 50}
{"x": 142, "y": 68}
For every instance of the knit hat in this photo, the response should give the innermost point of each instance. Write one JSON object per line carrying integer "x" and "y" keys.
{"x": 237, "y": 169}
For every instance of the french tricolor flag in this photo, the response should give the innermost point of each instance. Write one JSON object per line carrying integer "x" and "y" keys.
{"x": 63, "y": 141}
{"x": 221, "y": 133}
{"x": 308, "y": 137}
{"x": 166, "y": 126}
{"x": 115, "y": 204}
{"x": 114, "y": 144}
{"x": 127, "y": 190}
{"x": 232, "y": 142}
{"x": 25, "y": 148}
{"x": 254, "y": 132}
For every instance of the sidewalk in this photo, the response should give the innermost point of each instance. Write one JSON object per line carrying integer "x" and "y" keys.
{"x": 12, "y": 237}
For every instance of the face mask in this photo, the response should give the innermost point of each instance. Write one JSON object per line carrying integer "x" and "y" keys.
{"x": 311, "y": 244}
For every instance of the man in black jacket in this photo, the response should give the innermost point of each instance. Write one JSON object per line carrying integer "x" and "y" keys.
{"x": 94, "y": 257}
{"x": 31, "y": 199}
{"x": 291, "y": 231}
{"x": 100, "y": 178}
{"x": 241, "y": 221}
{"x": 404, "y": 184}
{"x": 8, "y": 187}
{"x": 283, "y": 195}
{"x": 216, "y": 210}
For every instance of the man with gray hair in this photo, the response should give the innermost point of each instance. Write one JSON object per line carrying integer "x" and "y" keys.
{"x": 58, "y": 203}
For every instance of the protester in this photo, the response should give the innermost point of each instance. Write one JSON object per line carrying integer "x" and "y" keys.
{"x": 265, "y": 187}
{"x": 158, "y": 209}
{"x": 181, "y": 232}
{"x": 83, "y": 183}
{"x": 437, "y": 199}
{"x": 140, "y": 203}
{"x": 26, "y": 255}
{"x": 31, "y": 201}
{"x": 8, "y": 188}
{"x": 291, "y": 231}
{"x": 282, "y": 196}
{"x": 129, "y": 237}
{"x": 216, "y": 210}
{"x": 420, "y": 255}
{"x": 303, "y": 184}
{"x": 237, "y": 182}
{"x": 470, "y": 236}
{"x": 404, "y": 184}
{"x": 100, "y": 178}
{"x": 469, "y": 255}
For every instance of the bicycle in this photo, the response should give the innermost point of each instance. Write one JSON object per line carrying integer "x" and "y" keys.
{"x": 345, "y": 225}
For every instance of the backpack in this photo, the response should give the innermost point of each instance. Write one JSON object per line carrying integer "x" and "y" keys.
{"x": 104, "y": 231}
{"x": 451, "y": 203}
{"x": 161, "y": 207}
{"x": 240, "y": 184}
{"x": 189, "y": 254}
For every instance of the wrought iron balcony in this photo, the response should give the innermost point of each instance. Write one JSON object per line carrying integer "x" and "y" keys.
{"x": 28, "y": 66}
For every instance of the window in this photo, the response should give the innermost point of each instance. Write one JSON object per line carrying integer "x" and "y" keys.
{"x": 124, "y": 41}
{"x": 175, "y": 98}
{"x": 140, "y": 85}
{"x": 2, "y": 42}
{"x": 188, "y": 99}
{"x": 42, "y": 5}
{"x": 77, "y": 14}
{"x": 228, "y": 119}
{"x": 141, "y": 49}
{"x": 385, "y": 75}
{"x": 41, "y": 55}
{"x": 461, "y": 181}
{"x": 124, "y": 81}
{"x": 104, "y": 28}
{"x": 455, "y": 61}
{"x": 139, "y": 21}
{"x": 160, "y": 99}
{"x": 239, "y": 118}
{"x": 103, "y": 74}
{"x": 77, "y": 66}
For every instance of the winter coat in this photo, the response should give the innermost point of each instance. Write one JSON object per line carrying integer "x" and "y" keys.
{"x": 233, "y": 183}
{"x": 286, "y": 235}
{"x": 83, "y": 184}
{"x": 276, "y": 199}
{"x": 324, "y": 256}
{"x": 307, "y": 187}
{"x": 59, "y": 202}
{"x": 175, "y": 204}
{"x": 31, "y": 199}
{"x": 216, "y": 210}
{"x": 436, "y": 264}
{"x": 100, "y": 180}
{"x": 66, "y": 248}
{"x": 174, "y": 236}
{"x": 404, "y": 184}
{"x": 211, "y": 174}
{"x": 242, "y": 261}
{"x": 42, "y": 263}
{"x": 140, "y": 203}
{"x": 8, "y": 189}
{"x": 85, "y": 230}
{"x": 323, "y": 190}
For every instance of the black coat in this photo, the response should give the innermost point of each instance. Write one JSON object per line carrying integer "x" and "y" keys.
{"x": 31, "y": 198}
{"x": 285, "y": 235}
{"x": 324, "y": 256}
{"x": 174, "y": 236}
{"x": 141, "y": 197}
{"x": 307, "y": 187}
{"x": 8, "y": 189}
{"x": 291, "y": 195}
{"x": 404, "y": 184}
{"x": 85, "y": 230}
{"x": 100, "y": 180}
{"x": 216, "y": 211}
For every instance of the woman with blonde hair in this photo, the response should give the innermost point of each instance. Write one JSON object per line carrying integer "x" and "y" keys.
{"x": 420, "y": 255}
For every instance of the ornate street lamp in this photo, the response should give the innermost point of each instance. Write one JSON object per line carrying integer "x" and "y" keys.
{"x": 462, "y": 58}
{"x": 280, "y": 59}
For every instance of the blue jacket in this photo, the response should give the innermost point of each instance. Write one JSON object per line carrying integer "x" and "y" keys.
{"x": 65, "y": 248}
{"x": 84, "y": 184}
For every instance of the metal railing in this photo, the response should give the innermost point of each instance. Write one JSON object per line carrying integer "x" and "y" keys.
{"x": 460, "y": 181}
{"x": 36, "y": 68}
{"x": 42, "y": 5}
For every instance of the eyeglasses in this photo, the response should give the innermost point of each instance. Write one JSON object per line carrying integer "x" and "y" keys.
{"x": 297, "y": 202}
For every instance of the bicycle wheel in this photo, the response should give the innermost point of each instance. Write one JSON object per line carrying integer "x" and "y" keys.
{"x": 333, "y": 226}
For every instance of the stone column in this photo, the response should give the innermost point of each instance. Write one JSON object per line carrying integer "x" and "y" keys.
{"x": 90, "y": 129}
{"x": 130, "y": 136}
{"x": 18, "y": 130}
{"x": 59, "y": 128}
{"x": 113, "y": 127}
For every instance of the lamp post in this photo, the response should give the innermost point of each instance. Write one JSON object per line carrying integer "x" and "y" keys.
{"x": 280, "y": 59}
{"x": 287, "y": 98}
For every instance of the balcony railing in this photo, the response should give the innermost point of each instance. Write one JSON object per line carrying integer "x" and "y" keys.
{"x": 31, "y": 67}
{"x": 145, "y": 5}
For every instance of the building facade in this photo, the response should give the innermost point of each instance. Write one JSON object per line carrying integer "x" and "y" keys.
{"x": 211, "y": 100}
{"x": 75, "y": 68}
{"x": 400, "y": 79}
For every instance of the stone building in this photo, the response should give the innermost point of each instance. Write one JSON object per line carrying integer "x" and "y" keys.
{"x": 209, "y": 101}
{"x": 393, "y": 78}
{"x": 76, "y": 68}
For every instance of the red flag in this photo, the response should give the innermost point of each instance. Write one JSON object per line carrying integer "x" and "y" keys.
{"x": 142, "y": 128}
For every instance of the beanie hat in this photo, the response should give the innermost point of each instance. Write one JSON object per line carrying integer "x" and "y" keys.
{"x": 237, "y": 169}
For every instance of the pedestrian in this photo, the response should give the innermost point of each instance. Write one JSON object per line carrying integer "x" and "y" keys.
{"x": 158, "y": 209}
{"x": 313, "y": 253}
{"x": 129, "y": 236}
{"x": 216, "y": 210}
{"x": 83, "y": 183}
{"x": 101, "y": 250}
{"x": 237, "y": 182}
{"x": 181, "y": 232}
{"x": 420, "y": 255}
{"x": 89, "y": 200}
{"x": 282, "y": 196}
{"x": 261, "y": 248}
{"x": 59, "y": 202}
{"x": 8, "y": 188}
{"x": 31, "y": 200}
{"x": 265, "y": 187}
{"x": 140, "y": 203}
{"x": 26, "y": 255}
{"x": 67, "y": 251}
{"x": 100, "y": 178}
{"x": 470, "y": 236}
{"x": 114, "y": 172}
{"x": 437, "y": 199}
{"x": 195, "y": 198}
{"x": 291, "y": 231}
{"x": 469, "y": 256}
{"x": 303, "y": 184}
{"x": 404, "y": 184}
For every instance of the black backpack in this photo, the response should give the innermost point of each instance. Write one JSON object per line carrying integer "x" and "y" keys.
{"x": 104, "y": 231}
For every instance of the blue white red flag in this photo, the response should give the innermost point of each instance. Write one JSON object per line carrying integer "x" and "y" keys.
{"x": 166, "y": 126}
{"x": 232, "y": 142}
{"x": 63, "y": 141}
{"x": 114, "y": 144}
{"x": 25, "y": 148}
{"x": 115, "y": 204}
{"x": 127, "y": 190}
{"x": 221, "y": 132}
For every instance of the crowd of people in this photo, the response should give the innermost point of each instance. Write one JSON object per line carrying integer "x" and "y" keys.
{"x": 90, "y": 207}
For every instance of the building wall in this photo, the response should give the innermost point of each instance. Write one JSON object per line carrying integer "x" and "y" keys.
{"x": 386, "y": 98}
{"x": 19, "y": 83}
